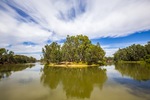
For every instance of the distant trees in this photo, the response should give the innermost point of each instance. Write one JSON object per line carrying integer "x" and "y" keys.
{"x": 75, "y": 49}
{"x": 24, "y": 59}
{"x": 7, "y": 56}
{"x": 133, "y": 53}
{"x": 109, "y": 59}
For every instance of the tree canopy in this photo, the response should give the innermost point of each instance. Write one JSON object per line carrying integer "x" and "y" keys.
{"x": 135, "y": 52}
{"x": 75, "y": 49}
{"x": 7, "y": 56}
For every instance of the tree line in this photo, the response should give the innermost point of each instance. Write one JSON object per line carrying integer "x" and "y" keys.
{"x": 135, "y": 52}
{"x": 7, "y": 56}
{"x": 75, "y": 49}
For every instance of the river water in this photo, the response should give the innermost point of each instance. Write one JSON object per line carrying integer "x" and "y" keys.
{"x": 39, "y": 82}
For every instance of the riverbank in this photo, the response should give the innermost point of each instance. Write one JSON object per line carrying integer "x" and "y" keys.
{"x": 72, "y": 65}
{"x": 140, "y": 62}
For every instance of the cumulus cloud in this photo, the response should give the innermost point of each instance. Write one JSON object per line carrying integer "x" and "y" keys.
{"x": 43, "y": 20}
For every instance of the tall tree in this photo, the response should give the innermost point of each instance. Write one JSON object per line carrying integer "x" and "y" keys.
{"x": 94, "y": 54}
{"x": 52, "y": 53}
{"x": 76, "y": 48}
{"x": 147, "y": 46}
{"x": 2, "y": 52}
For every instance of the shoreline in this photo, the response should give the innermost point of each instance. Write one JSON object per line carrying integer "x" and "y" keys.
{"x": 71, "y": 65}
{"x": 140, "y": 62}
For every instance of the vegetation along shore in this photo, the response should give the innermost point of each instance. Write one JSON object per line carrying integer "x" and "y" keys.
{"x": 9, "y": 57}
{"x": 75, "y": 50}
{"x": 78, "y": 51}
{"x": 134, "y": 53}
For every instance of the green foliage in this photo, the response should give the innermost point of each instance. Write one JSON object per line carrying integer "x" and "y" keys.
{"x": 147, "y": 58}
{"x": 7, "y": 56}
{"x": 95, "y": 54}
{"x": 52, "y": 53}
{"x": 23, "y": 59}
{"x": 75, "y": 49}
{"x": 2, "y": 52}
{"x": 133, "y": 53}
{"x": 147, "y": 47}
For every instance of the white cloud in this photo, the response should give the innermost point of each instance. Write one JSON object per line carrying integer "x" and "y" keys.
{"x": 100, "y": 18}
{"x": 110, "y": 52}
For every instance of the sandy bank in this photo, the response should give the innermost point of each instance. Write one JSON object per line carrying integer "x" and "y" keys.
{"x": 72, "y": 65}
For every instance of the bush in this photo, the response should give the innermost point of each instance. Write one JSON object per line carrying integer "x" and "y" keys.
{"x": 148, "y": 60}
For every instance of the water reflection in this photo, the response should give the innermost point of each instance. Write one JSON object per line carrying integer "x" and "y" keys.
{"x": 7, "y": 70}
{"x": 77, "y": 83}
{"x": 140, "y": 72}
{"x": 138, "y": 88}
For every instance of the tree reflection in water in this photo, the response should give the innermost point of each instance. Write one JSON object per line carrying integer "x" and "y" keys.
{"x": 76, "y": 82}
{"x": 7, "y": 70}
{"x": 140, "y": 72}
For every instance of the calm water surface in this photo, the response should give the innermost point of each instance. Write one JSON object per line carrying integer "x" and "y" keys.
{"x": 113, "y": 82}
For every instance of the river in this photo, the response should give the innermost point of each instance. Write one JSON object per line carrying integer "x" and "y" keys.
{"x": 39, "y": 82}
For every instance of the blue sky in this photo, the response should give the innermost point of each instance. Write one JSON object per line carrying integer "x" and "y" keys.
{"x": 27, "y": 25}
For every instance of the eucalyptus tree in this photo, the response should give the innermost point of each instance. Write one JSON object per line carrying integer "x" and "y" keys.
{"x": 52, "y": 53}
{"x": 95, "y": 54}
{"x": 75, "y": 49}
{"x": 7, "y": 56}
{"x": 135, "y": 52}
{"x": 147, "y": 46}
{"x": 2, "y": 52}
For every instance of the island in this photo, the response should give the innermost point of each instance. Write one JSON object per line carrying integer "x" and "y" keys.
{"x": 76, "y": 51}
